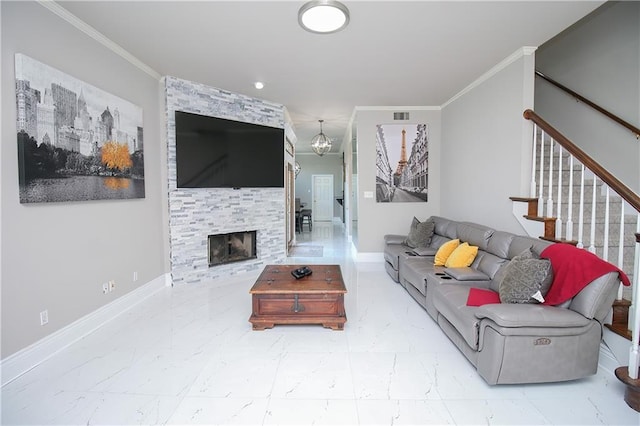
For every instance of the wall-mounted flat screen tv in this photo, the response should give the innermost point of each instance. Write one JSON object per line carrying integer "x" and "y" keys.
{"x": 214, "y": 152}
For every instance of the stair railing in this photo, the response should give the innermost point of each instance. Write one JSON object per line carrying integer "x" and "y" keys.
{"x": 557, "y": 144}
{"x": 579, "y": 97}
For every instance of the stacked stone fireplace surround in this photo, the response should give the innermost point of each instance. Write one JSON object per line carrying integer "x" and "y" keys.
{"x": 194, "y": 214}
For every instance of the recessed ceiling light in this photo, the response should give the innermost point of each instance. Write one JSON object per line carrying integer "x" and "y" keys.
{"x": 323, "y": 16}
{"x": 258, "y": 85}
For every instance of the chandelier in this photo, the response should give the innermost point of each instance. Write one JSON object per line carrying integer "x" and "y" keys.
{"x": 320, "y": 144}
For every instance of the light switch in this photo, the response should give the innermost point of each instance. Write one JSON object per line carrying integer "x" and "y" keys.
{"x": 368, "y": 194}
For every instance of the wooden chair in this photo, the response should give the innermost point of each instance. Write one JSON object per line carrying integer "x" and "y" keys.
{"x": 305, "y": 217}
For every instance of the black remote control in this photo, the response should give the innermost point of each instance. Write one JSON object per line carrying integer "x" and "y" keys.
{"x": 301, "y": 272}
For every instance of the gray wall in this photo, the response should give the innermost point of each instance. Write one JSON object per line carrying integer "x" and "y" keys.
{"x": 377, "y": 219}
{"x": 313, "y": 164}
{"x": 598, "y": 57}
{"x": 486, "y": 148}
{"x": 56, "y": 256}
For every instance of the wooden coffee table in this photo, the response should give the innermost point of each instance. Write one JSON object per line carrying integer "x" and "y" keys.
{"x": 279, "y": 298}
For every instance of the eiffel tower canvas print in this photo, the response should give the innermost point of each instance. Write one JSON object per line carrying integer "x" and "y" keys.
{"x": 402, "y": 163}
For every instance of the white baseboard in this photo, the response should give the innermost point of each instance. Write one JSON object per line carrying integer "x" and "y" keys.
{"x": 26, "y": 359}
{"x": 607, "y": 360}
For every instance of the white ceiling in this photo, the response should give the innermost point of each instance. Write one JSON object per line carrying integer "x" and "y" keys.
{"x": 393, "y": 53}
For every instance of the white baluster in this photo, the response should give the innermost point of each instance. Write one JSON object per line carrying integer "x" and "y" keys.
{"x": 581, "y": 210}
{"x": 550, "y": 192}
{"x": 592, "y": 234}
{"x": 532, "y": 191}
{"x": 634, "y": 316}
{"x": 605, "y": 237}
{"x": 559, "y": 214}
{"x": 540, "y": 185}
{"x": 569, "y": 233}
{"x": 621, "y": 244}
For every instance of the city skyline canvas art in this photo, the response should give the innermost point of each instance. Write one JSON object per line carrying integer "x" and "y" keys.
{"x": 76, "y": 142}
{"x": 402, "y": 163}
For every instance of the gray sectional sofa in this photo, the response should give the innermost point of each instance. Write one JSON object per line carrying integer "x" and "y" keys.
{"x": 506, "y": 342}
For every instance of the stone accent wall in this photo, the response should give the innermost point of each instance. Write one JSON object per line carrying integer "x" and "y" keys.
{"x": 196, "y": 213}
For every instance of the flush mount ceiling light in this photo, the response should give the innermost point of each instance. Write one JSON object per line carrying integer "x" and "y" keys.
{"x": 323, "y": 16}
{"x": 258, "y": 85}
{"x": 320, "y": 144}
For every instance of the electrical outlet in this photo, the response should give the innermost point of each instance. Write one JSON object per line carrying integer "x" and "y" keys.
{"x": 112, "y": 285}
{"x": 44, "y": 317}
{"x": 135, "y": 276}
{"x": 105, "y": 288}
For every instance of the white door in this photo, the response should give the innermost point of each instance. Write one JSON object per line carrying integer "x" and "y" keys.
{"x": 322, "y": 195}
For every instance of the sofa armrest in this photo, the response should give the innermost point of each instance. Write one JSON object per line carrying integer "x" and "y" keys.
{"x": 531, "y": 315}
{"x": 394, "y": 239}
{"x": 467, "y": 274}
{"x": 425, "y": 251}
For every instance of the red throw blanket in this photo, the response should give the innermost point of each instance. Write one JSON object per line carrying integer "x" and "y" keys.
{"x": 573, "y": 269}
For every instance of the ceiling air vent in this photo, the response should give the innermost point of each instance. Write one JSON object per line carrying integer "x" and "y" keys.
{"x": 400, "y": 115}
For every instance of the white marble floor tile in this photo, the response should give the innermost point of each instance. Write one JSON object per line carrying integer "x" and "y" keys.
{"x": 314, "y": 375}
{"x": 165, "y": 372}
{"x": 409, "y": 412}
{"x": 311, "y": 412}
{"x": 220, "y": 411}
{"x": 392, "y": 376}
{"x": 236, "y": 375}
{"x": 123, "y": 409}
{"x": 495, "y": 412}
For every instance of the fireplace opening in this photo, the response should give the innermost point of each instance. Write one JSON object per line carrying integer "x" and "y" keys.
{"x": 231, "y": 247}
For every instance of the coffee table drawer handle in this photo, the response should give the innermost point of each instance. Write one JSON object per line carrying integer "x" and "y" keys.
{"x": 297, "y": 307}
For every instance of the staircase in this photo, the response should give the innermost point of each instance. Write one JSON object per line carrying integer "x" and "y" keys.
{"x": 574, "y": 200}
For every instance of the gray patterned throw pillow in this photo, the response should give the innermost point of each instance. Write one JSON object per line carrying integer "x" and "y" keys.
{"x": 420, "y": 233}
{"x": 523, "y": 277}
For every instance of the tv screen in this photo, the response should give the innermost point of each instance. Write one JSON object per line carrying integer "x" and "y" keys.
{"x": 218, "y": 153}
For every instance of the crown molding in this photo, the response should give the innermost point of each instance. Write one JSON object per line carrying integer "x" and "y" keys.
{"x": 523, "y": 51}
{"x": 98, "y": 36}
{"x": 397, "y": 108}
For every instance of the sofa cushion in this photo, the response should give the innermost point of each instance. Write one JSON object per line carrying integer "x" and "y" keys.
{"x": 413, "y": 270}
{"x": 499, "y": 243}
{"x": 438, "y": 240}
{"x": 594, "y": 301}
{"x": 489, "y": 264}
{"x": 445, "y": 227}
{"x": 521, "y": 243}
{"x": 474, "y": 234}
{"x": 393, "y": 251}
{"x": 482, "y": 296}
{"x": 462, "y": 256}
{"x": 451, "y": 302}
{"x": 420, "y": 233}
{"x": 445, "y": 251}
{"x": 526, "y": 279}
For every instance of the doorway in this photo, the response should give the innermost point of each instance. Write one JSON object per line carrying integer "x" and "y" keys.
{"x": 322, "y": 198}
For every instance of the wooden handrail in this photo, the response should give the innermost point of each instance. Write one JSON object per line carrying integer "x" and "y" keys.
{"x": 634, "y": 129}
{"x": 624, "y": 191}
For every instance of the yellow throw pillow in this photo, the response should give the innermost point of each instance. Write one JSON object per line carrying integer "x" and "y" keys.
{"x": 462, "y": 256}
{"x": 445, "y": 251}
